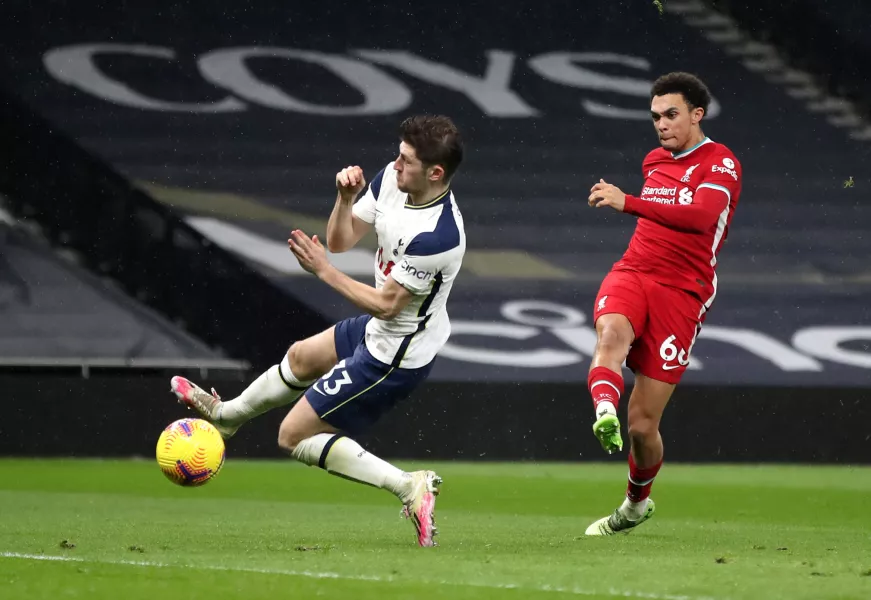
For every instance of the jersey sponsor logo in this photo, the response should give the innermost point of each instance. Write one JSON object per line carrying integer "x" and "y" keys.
{"x": 688, "y": 174}
{"x": 727, "y": 170}
{"x": 658, "y": 199}
{"x": 729, "y": 163}
{"x": 660, "y": 195}
{"x": 685, "y": 196}
{"x": 658, "y": 191}
{"x": 416, "y": 273}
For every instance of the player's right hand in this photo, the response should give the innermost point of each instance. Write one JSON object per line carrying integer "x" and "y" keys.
{"x": 604, "y": 194}
{"x": 350, "y": 182}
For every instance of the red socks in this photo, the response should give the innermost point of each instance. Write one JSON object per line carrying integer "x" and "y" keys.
{"x": 640, "y": 480}
{"x": 605, "y": 386}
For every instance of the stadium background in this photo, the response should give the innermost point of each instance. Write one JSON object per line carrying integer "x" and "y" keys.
{"x": 155, "y": 157}
{"x": 156, "y": 160}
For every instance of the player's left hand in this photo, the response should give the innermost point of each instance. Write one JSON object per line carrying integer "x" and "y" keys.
{"x": 310, "y": 253}
{"x": 604, "y": 194}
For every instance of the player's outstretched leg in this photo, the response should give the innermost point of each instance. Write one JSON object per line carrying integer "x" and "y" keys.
{"x": 648, "y": 401}
{"x": 342, "y": 456}
{"x": 605, "y": 380}
{"x": 280, "y": 385}
{"x": 277, "y": 386}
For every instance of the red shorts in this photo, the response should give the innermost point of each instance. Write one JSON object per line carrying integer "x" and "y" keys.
{"x": 666, "y": 321}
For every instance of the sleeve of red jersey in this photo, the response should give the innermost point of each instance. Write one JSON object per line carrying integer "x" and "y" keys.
{"x": 721, "y": 181}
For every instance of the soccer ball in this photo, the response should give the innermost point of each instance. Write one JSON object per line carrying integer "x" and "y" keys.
{"x": 190, "y": 452}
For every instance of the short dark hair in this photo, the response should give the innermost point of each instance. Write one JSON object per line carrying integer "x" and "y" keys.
{"x": 436, "y": 141}
{"x": 693, "y": 89}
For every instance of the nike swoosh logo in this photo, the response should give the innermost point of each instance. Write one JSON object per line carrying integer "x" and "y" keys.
{"x": 666, "y": 367}
{"x": 649, "y": 173}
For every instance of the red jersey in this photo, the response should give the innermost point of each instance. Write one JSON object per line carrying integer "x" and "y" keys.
{"x": 684, "y": 211}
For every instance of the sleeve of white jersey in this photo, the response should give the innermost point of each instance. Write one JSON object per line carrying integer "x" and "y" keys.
{"x": 364, "y": 208}
{"x": 418, "y": 274}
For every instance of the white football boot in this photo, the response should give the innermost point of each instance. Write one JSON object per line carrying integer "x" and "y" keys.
{"x": 618, "y": 523}
{"x": 419, "y": 505}
{"x": 208, "y": 405}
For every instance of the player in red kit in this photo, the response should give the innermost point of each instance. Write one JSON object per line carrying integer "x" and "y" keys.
{"x": 652, "y": 304}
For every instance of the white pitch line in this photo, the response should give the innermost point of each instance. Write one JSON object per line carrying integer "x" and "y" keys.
{"x": 376, "y": 578}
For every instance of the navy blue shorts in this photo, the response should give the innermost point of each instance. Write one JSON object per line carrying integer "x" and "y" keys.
{"x": 360, "y": 389}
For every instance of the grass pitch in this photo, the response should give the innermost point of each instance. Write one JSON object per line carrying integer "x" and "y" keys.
{"x": 118, "y": 529}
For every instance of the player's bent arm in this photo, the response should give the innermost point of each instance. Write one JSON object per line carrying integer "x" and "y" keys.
{"x": 345, "y": 229}
{"x": 698, "y": 217}
{"x": 382, "y": 304}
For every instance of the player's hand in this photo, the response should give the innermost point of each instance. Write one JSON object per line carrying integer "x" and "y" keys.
{"x": 310, "y": 253}
{"x": 604, "y": 194}
{"x": 350, "y": 182}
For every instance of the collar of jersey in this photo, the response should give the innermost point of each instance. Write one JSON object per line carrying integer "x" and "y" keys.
{"x": 431, "y": 203}
{"x": 707, "y": 140}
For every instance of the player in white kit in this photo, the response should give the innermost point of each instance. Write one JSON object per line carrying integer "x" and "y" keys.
{"x": 344, "y": 379}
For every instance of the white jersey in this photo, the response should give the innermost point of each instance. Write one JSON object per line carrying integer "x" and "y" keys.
{"x": 422, "y": 248}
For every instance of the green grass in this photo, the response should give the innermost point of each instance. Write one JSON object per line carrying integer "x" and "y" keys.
{"x": 280, "y": 530}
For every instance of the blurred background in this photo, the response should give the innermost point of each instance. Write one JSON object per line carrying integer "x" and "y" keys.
{"x": 155, "y": 159}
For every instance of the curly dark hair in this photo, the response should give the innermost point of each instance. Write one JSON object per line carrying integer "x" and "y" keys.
{"x": 693, "y": 89}
{"x": 436, "y": 141}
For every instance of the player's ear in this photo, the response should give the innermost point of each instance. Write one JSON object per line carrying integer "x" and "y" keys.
{"x": 696, "y": 114}
{"x": 436, "y": 173}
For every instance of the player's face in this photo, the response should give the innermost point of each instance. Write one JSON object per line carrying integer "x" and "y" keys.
{"x": 410, "y": 172}
{"x": 674, "y": 121}
{"x": 412, "y": 176}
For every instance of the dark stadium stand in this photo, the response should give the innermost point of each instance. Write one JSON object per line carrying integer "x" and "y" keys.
{"x": 828, "y": 37}
{"x": 56, "y": 312}
{"x": 236, "y": 120}
{"x": 82, "y": 204}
